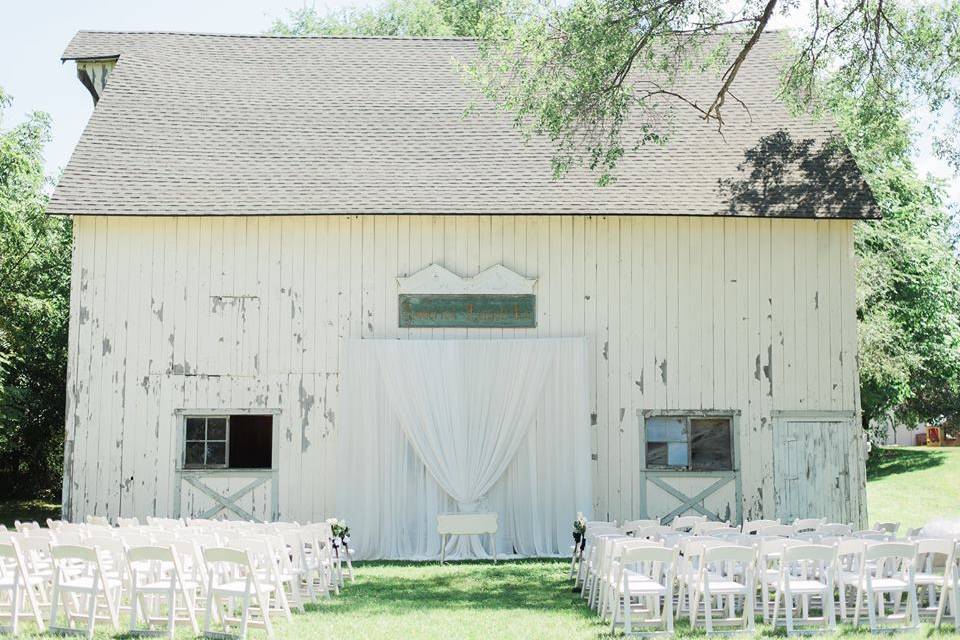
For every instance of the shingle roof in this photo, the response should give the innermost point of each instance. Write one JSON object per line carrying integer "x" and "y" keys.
{"x": 194, "y": 124}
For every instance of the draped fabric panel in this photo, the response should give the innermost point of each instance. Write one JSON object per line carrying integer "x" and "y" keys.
{"x": 444, "y": 426}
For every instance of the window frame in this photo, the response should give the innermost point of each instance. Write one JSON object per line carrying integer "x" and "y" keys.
{"x": 183, "y": 413}
{"x": 206, "y": 427}
{"x": 686, "y": 416}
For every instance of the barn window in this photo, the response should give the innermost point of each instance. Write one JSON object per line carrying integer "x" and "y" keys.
{"x": 689, "y": 443}
{"x": 228, "y": 442}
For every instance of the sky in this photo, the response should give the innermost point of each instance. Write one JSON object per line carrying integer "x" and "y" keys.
{"x": 33, "y": 34}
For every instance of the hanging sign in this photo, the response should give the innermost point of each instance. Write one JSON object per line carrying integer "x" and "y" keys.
{"x": 495, "y": 298}
{"x": 476, "y": 310}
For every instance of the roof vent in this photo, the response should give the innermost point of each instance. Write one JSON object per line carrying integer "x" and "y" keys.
{"x": 94, "y": 73}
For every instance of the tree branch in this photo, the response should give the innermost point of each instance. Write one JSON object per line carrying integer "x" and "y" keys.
{"x": 731, "y": 73}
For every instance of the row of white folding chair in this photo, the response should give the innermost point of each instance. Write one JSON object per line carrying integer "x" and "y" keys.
{"x": 875, "y": 569}
{"x": 937, "y": 576}
{"x": 22, "y": 584}
{"x": 88, "y": 582}
{"x": 577, "y": 549}
{"x": 586, "y": 565}
{"x": 645, "y": 571}
{"x": 815, "y": 581}
{"x": 614, "y": 584}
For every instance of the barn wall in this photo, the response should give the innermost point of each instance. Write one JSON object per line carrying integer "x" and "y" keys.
{"x": 243, "y": 312}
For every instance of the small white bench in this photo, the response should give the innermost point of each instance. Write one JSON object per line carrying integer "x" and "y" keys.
{"x": 466, "y": 524}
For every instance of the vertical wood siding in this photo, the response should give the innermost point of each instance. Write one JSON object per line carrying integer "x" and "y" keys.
{"x": 755, "y": 315}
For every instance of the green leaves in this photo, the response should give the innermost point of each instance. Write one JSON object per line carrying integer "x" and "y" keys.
{"x": 34, "y": 306}
{"x": 403, "y": 18}
{"x": 908, "y": 280}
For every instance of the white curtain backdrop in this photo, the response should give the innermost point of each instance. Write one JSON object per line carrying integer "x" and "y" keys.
{"x": 444, "y": 426}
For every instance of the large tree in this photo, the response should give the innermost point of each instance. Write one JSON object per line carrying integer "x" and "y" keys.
{"x": 34, "y": 305}
{"x": 575, "y": 71}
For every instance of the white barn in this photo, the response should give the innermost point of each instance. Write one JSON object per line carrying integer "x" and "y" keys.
{"x": 247, "y": 207}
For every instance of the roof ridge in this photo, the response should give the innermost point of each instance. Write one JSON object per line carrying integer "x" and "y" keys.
{"x": 270, "y": 36}
{"x": 267, "y": 36}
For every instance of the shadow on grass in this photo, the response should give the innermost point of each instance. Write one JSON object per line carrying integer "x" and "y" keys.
{"x": 889, "y": 461}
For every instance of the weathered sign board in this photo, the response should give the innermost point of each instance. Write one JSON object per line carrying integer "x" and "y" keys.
{"x": 468, "y": 310}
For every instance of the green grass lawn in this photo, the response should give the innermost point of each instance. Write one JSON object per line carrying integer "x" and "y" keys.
{"x": 913, "y": 485}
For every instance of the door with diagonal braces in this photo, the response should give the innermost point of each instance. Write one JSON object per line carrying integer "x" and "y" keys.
{"x": 669, "y": 494}
{"x": 234, "y": 495}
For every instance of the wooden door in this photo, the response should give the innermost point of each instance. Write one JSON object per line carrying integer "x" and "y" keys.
{"x": 814, "y": 474}
{"x": 232, "y": 494}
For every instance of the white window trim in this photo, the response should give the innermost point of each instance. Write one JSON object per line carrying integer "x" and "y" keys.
{"x": 206, "y": 426}
{"x": 732, "y": 415}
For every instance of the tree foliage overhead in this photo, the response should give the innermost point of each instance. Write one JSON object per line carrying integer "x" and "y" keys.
{"x": 34, "y": 309}
{"x": 576, "y": 71}
{"x": 400, "y": 18}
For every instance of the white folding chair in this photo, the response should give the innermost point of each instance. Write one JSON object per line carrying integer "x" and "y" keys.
{"x": 635, "y": 525}
{"x": 769, "y": 562}
{"x": 594, "y": 562}
{"x": 834, "y": 529}
{"x": 656, "y": 532}
{"x": 887, "y": 527}
{"x": 936, "y": 576}
{"x": 25, "y": 526}
{"x": 284, "y": 570}
{"x": 261, "y": 551}
{"x": 298, "y": 563}
{"x": 132, "y": 537}
{"x": 609, "y": 574}
{"x": 708, "y": 527}
{"x": 165, "y": 523}
{"x": 777, "y": 530}
{"x": 601, "y": 523}
{"x": 601, "y": 567}
{"x": 647, "y": 573}
{"x": 585, "y": 567}
{"x": 734, "y": 537}
{"x": 155, "y": 572}
{"x": 801, "y": 525}
{"x": 752, "y": 526}
{"x": 725, "y": 572}
{"x": 68, "y": 536}
{"x": 887, "y": 568}
{"x": 873, "y": 534}
{"x": 806, "y": 571}
{"x": 686, "y": 523}
{"x": 951, "y": 590}
{"x": 126, "y": 523}
{"x": 231, "y": 577}
{"x": 689, "y": 561}
{"x": 320, "y": 558}
{"x": 45, "y": 534}
{"x": 16, "y": 579}
{"x": 79, "y": 573}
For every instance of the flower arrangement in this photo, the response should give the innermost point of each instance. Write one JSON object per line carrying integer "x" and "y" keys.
{"x": 579, "y": 529}
{"x": 341, "y": 532}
